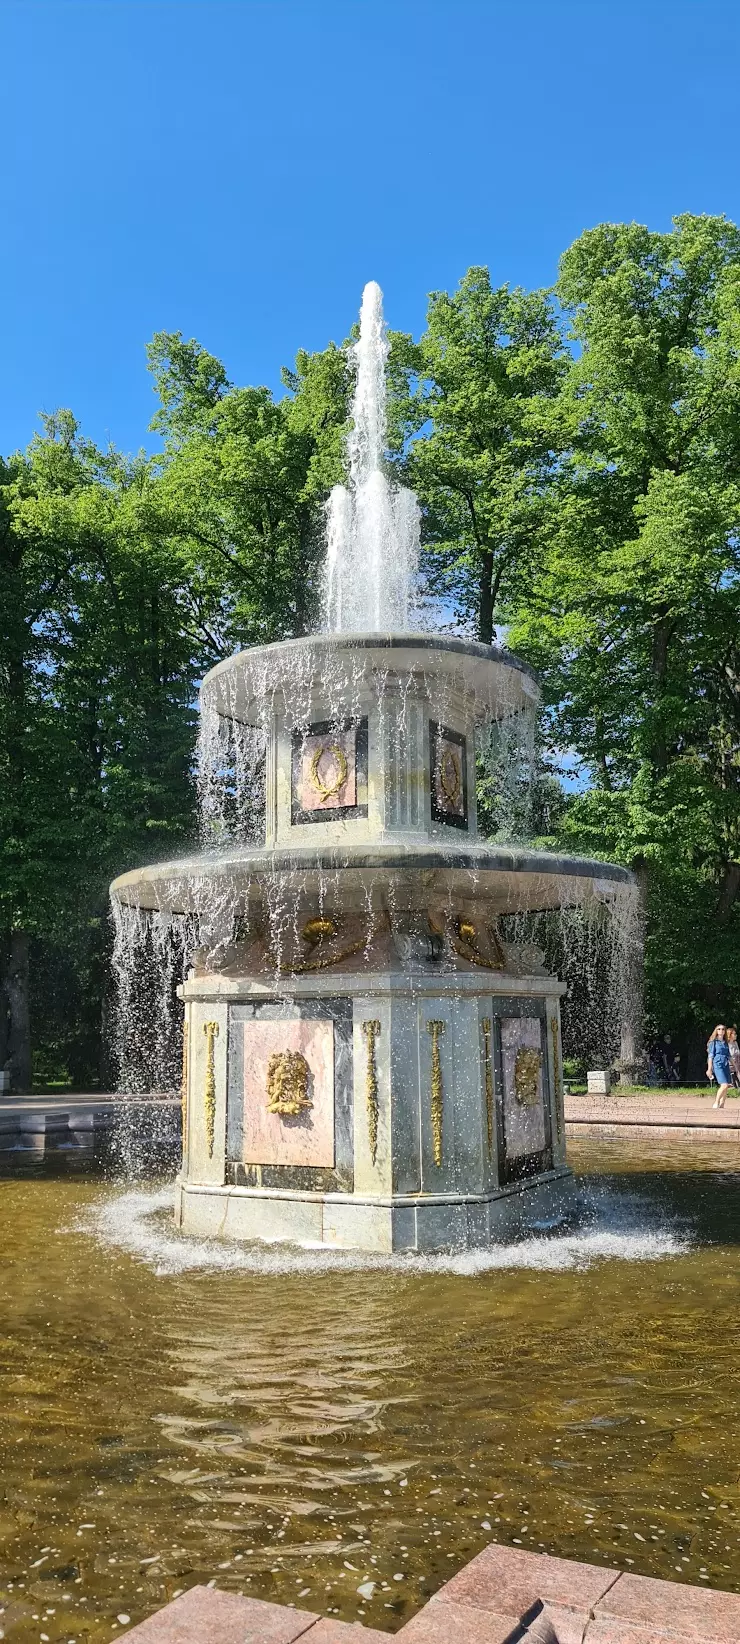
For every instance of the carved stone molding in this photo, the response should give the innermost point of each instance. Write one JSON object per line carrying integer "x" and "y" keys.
{"x": 210, "y": 1030}
{"x": 371, "y": 1031}
{"x": 436, "y": 1029}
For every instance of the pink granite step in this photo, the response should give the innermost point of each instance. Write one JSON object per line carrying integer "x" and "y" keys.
{"x": 504, "y": 1596}
{"x": 204, "y": 1615}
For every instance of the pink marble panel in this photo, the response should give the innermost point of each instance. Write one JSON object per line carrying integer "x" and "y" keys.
{"x": 449, "y": 777}
{"x": 524, "y": 1127}
{"x": 328, "y": 761}
{"x": 305, "y": 1138}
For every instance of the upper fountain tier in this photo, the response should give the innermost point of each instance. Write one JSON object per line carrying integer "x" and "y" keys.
{"x": 367, "y": 737}
{"x": 365, "y": 745}
{"x": 360, "y": 743}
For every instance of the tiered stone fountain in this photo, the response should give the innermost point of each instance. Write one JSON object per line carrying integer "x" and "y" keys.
{"x": 367, "y": 1063}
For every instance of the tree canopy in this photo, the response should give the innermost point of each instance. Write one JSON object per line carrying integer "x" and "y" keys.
{"x": 577, "y": 458}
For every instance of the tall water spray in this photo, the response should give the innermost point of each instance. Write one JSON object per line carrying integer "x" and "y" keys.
{"x": 372, "y": 527}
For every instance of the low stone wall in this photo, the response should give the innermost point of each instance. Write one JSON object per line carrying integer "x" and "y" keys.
{"x": 504, "y": 1596}
{"x": 134, "y": 1135}
{"x": 664, "y": 1114}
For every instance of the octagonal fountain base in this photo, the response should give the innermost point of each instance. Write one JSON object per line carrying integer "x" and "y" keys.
{"x": 386, "y": 1111}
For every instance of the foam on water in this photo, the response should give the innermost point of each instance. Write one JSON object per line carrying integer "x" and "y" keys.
{"x": 615, "y": 1227}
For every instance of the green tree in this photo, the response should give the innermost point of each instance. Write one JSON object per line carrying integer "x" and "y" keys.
{"x": 96, "y": 720}
{"x": 241, "y": 489}
{"x": 631, "y": 617}
{"x": 481, "y": 386}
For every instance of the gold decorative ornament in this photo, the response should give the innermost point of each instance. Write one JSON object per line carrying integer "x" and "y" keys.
{"x": 299, "y": 966}
{"x": 436, "y": 1029}
{"x": 327, "y": 790}
{"x": 288, "y": 1074}
{"x": 450, "y": 783}
{"x": 527, "y": 1076}
{"x": 488, "y": 1075}
{"x": 557, "y": 1075}
{"x": 466, "y": 946}
{"x": 316, "y": 930}
{"x": 209, "y": 1095}
{"x": 371, "y": 1031}
{"x": 184, "y": 1079}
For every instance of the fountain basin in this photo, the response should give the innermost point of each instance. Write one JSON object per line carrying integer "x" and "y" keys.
{"x": 367, "y": 1062}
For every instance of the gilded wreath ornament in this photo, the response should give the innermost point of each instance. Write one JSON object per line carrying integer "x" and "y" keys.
{"x": 328, "y": 790}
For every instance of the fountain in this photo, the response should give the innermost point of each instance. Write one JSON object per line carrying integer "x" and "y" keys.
{"x": 367, "y": 1060}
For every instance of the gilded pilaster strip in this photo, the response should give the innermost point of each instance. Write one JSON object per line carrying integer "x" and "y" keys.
{"x": 488, "y": 1075}
{"x": 209, "y": 1093}
{"x": 436, "y": 1029}
{"x": 371, "y": 1031}
{"x": 184, "y": 1083}
{"x": 557, "y": 1074}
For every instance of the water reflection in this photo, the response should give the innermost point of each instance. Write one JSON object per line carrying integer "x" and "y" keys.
{"x": 303, "y": 1427}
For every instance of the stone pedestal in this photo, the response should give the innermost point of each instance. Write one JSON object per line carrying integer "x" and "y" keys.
{"x": 381, "y": 1111}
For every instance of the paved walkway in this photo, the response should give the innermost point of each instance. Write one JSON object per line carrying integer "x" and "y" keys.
{"x": 504, "y": 1596}
{"x": 662, "y": 1113}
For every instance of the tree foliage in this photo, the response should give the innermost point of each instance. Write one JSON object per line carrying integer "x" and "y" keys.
{"x": 632, "y": 617}
{"x": 577, "y": 457}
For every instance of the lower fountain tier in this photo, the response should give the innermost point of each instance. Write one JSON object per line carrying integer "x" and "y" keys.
{"x": 380, "y": 1111}
{"x": 513, "y": 879}
{"x": 415, "y": 1224}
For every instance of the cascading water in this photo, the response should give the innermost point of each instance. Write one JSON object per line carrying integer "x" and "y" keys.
{"x": 372, "y": 525}
{"x": 355, "y": 955}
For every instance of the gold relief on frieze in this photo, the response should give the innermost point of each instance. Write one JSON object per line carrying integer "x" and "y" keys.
{"x": 318, "y": 930}
{"x": 527, "y": 1076}
{"x": 210, "y": 1030}
{"x": 436, "y": 1029}
{"x": 371, "y": 1031}
{"x": 481, "y": 948}
{"x": 329, "y": 785}
{"x": 288, "y": 1076}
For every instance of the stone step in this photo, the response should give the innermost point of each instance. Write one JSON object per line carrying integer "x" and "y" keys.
{"x": 504, "y": 1596}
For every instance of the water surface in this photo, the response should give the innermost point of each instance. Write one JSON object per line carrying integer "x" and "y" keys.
{"x": 301, "y": 1425}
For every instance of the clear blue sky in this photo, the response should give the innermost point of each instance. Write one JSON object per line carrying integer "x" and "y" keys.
{"x": 237, "y": 169}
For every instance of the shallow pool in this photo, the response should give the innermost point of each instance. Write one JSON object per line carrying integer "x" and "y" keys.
{"x": 301, "y": 1426}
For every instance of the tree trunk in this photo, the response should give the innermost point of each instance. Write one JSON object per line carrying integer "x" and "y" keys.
{"x": 16, "y": 990}
{"x": 631, "y": 1050}
{"x": 485, "y": 599}
{"x": 662, "y": 636}
{"x": 728, "y": 893}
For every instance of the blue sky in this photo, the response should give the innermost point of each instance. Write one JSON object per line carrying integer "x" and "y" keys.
{"x": 237, "y": 169}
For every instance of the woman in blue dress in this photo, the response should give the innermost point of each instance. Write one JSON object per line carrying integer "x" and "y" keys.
{"x": 718, "y": 1063}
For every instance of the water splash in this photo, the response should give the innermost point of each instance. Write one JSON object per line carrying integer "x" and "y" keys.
{"x": 372, "y": 527}
{"x": 139, "y": 1222}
